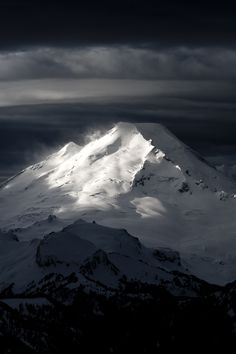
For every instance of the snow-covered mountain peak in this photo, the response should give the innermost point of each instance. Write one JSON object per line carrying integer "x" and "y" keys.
{"x": 69, "y": 149}
{"x": 137, "y": 176}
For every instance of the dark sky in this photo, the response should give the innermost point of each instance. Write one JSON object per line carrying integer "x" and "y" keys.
{"x": 68, "y": 68}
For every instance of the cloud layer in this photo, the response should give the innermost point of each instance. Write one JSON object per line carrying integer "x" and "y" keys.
{"x": 181, "y": 78}
{"x": 119, "y": 62}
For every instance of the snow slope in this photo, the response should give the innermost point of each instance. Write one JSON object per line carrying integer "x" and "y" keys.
{"x": 136, "y": 176}
{"x": 98, "y": 255}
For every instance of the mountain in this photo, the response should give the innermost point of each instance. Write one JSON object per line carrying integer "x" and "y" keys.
{"x": 136, "y": 176}
{"x": 93, "y": 288}
{"x": 100, "y": 256}
{"x": 132, "y": 226}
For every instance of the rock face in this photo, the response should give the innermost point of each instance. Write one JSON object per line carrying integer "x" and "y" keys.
{"x": 167, "y": 255}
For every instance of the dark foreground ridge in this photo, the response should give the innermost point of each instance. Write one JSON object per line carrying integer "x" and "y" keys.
{"x": 139, "y": 318}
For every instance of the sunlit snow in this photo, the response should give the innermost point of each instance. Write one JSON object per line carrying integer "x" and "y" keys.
{"x": 135, "y": 176}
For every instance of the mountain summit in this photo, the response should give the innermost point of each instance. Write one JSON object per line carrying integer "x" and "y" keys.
{"x": 136, "y": 176}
